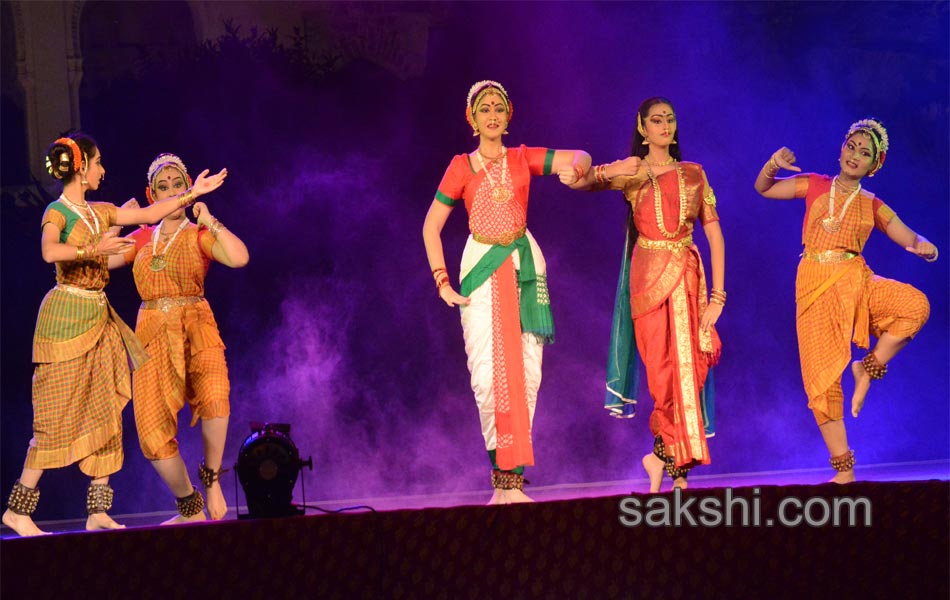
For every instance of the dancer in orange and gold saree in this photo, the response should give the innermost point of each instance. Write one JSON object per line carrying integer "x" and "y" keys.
{"x": 662, "y": 293}
{"x": 179, "y": 331}
{"x": 839, "y": 299}
{"x": 504, "y": 301}
{"x": 81, "y": 379}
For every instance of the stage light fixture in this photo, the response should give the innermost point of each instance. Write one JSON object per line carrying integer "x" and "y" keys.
{"x": 267, "y": 467}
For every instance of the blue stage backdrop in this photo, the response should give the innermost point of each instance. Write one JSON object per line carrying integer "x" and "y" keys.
{"x": 335, "y": 326}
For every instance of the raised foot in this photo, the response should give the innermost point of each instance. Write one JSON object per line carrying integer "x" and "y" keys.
{"x": 178, "y": 519}
{"x": 862, "y": 383}
{"x": 843, "y": 477}
{"x": 654, "y": 468}
{"x": 680, "y": 482}
{"x": 217, "y": 506}
{"x": 99, "y": 521}
{"x": 23, "y": 525}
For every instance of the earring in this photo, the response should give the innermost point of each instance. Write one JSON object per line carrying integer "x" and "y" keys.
{"x": 674, "y": 142}
{"x": 646, "y": 142}
{"x": 475, "y": 134}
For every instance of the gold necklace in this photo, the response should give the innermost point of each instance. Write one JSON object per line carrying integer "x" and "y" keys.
{"x": 502, "y": 155}
{"x": 831, "y": 223}
{"x": 158, "y": 260}
{"x": 669, "y": 161}
{"x": 499, "y": 193}
{"x": 76, "y": 208}
{"x": 658, "y": 203}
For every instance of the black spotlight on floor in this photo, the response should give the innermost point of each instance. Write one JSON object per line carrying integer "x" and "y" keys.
{"x": 268, "y": 465}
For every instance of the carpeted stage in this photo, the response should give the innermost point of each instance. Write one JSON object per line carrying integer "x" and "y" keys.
{"x": 571, "y": 544}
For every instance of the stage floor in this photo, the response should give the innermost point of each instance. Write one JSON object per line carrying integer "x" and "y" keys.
{"x": 915, "y": 471}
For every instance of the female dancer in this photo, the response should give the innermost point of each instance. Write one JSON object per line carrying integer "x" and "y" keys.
{"x": 663, "y": 278}
{"x": 178, "y": 329}
{"x": 504, "y": 302}
{"x": 836, "y": 292}
{"x": 81, "y": 379}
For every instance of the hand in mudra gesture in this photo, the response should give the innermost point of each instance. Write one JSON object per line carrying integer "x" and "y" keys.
{"x": 110, "y": 244}
{"x": 785, "y": 159}
{"x": 205, "y": 183}
{"x": 629, "y": 166}
{"x": 202, "y": 215}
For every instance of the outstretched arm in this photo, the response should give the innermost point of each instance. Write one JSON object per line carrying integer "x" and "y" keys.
{"x": 777, "y": 189}
{"x": 910, "y": 241}
{"x": 597, "y": 176}
{"x": 570, "y": 165}
{"x": 432, "y": 236}
{"x": 156, "y": 212}
{"x": 54, "y": 251}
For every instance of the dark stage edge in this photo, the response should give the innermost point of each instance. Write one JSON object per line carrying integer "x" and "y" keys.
{"x": 574, "y": 548}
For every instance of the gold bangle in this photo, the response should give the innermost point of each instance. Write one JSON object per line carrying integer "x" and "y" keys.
{"x": 186, "y": 199}
{"x": 216, "y": 228}
{"x": 80, "y": 253}
{"x": 717, "y": 300}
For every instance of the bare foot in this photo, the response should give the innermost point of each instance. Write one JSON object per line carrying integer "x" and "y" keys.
{"x": 843, "y": 477}
{"x": 177, "y": 519}
{"x": 516, "y": 496}
{"x": 680, "y": 482}
{"x": 98, "y": 521}
{"x": 498, "y": 497}
{"x": 862, "y": 382}
{"x": 23, "y": 525}
{"x": 217, "y": 507}
{"x": 654, "y": 468}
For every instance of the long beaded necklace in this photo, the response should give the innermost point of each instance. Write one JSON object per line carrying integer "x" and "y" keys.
{"x": 658, "y": 202}
{"x": 499, "y": 193}
{"x": 76, "y": 209}
{"x": 831, "y": 223}
{"x": 158, "y": 260}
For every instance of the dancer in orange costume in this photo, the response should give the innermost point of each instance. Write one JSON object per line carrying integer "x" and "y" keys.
{"x": 178, "y": 329}
{"x": 839, "y": 299}
{"x": 81, "y": 379}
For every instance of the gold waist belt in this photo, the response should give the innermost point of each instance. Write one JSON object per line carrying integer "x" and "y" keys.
{"x": 166, "y": 304}
{"x": 504, "y": 239}
{"x": 649, "y": 244}
{"x": 830, "y": 256}
{"x": 82, "y": 292}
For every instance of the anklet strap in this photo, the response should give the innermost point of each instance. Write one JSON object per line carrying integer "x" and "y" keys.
{"x": 843, "y": 462}
{"x": 99, "y": 498}
{"x": 507, "y": 480}
{"x": 874, "y": 368}
{"x": 208, "y": 475}
{"x": 23, "y": 500}
{"x": 190, "y": 505}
